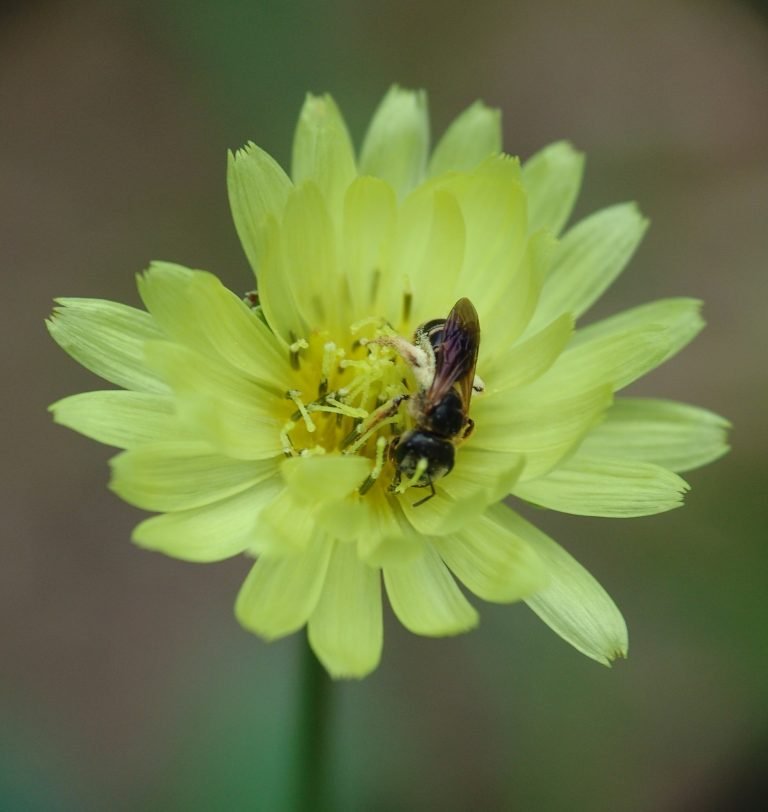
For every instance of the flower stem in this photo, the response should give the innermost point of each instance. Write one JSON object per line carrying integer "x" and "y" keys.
{"x": 312, "y": 739}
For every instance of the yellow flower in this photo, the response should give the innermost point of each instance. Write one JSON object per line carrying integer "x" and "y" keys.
{"x": 267, "y": 426}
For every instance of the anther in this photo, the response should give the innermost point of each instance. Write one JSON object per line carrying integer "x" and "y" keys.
{"x": 294, "y": 348}
{"x": 295, "y": 396}
{"x": 330, "y": 354}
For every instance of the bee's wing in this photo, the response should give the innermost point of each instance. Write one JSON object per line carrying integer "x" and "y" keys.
{"x": 456, "y": 356}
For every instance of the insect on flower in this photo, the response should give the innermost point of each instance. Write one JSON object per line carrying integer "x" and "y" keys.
{"x": 443, "y": 357}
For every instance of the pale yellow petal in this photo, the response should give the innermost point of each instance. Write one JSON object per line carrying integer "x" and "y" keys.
{"x": 529, "y": 359}
{"x": 588, "y": 259}
{"x": 315, "y": 487}
{"x": 277, "y": 294}
{"x": 237, "y": 335}
{"x": 180, "y": 475}
{"x": 674, "y": 435}
{"x": 543, "y": 424}
{"x": 506, "y": 316}
{"x": 279, "y": 595}
{"x": 493, "y": 562}
{"x": 396, "y": 146}
{"x": 573, "y": 604}
{"x": 310, "y": 255}
{"x": 326, "y": 477}
{"x": 119, "y": 418}
{"x": 108, "y": 339}
{"x": 345, "y": 629}
{"x": 387, "y": 537}
{"x": 235, "y": 414}
{"x": 442, "y": 513}
{"x": 322, "y": 150}
{"x": 196, "y": 310}
{"x": 470, "y": 138}
{"x": 212, "y": 532}
{"x": 427, "y": 257}
{"x": 598, "y": 486}
{"x": 370, "y": 211}
{"x": 489, "y": 471}
{"x": 426, "y": 599}
{"x": 552, "y": 178}
{"x": 622, "y": 348}
{"x": 493, "y": 206}
{"x": 163, "y": 289}
{"x": 287, "y": 526}
{"x": 258, "y": 189}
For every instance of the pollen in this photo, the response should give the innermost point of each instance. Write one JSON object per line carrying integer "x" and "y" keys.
{"x": 347, "y": 396}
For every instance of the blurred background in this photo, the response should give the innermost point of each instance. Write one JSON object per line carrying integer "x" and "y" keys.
{"x": 125, "y": 682}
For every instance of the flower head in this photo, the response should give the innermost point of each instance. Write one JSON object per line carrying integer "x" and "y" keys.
{"x": 270, "y": 426}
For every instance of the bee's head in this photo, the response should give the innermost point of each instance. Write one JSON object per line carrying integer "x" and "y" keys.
{"x": 414, "y": 446}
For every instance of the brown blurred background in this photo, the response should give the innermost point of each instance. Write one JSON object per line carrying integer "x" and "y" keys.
{"x": 125, "y": 682}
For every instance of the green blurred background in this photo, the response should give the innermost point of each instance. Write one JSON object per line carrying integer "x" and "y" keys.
{"x": 125, "y": 682}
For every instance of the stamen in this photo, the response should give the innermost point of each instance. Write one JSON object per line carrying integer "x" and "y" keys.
{"x": 368, "y": 403}
{"x": 381, "y": 447}
{"x": 375, "y": 281}
{"x": 337, "y": 407}
{"x": 366, "y": 435}
{"x": 315, "y": 451}
{"x": 358, "y": 325}
{"x": 301, "y": 344}
{"x": 285, "y": 439}
{"x": 294, "y": 395}
{"x": 407, "y": 304}
{"x": 330, "y": 355}
{"x": 421, "y": 468}
{"x": 350, "y": 363}
{"x": 379, "y": 418}
{"x": 360, "y": 386}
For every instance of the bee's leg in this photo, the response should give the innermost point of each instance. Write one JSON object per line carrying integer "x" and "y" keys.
{"x": 478, "y": 384}
{"x": 468, "y": 429}
{"x": 416, "y": 357}
{"x": 363, "y": 430}
{"x": 428, "y": 496}
{"x": 393, "y": 444}
{"x": 251, "y": 298}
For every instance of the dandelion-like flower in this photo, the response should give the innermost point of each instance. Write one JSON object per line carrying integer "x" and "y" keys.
{"x": 271, "y": 425}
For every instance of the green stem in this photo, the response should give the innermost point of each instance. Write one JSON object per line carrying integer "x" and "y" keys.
{"x": 312, "y": 743}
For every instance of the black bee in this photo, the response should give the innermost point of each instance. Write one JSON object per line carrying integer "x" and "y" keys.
{"x": 440, "y": 408}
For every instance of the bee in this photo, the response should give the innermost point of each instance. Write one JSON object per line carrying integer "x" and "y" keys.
{"x": 444, "y": 357}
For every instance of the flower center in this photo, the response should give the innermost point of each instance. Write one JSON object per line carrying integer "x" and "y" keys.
{"x": 348, "y": 399}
